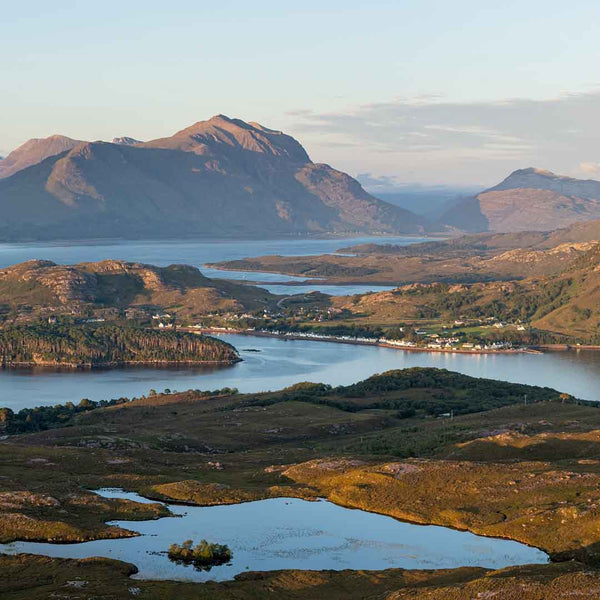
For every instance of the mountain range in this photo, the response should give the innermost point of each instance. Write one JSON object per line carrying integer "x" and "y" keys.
{"x": 222, "y": 177}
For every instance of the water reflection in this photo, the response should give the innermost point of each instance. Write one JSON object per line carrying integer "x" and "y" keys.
{"x": 280, "y": 363}
{"x": 287, "y": 533}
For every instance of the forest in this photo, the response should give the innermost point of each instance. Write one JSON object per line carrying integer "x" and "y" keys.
{"x": 44, "y": 344}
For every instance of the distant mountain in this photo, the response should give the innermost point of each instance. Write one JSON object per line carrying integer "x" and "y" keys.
{"x": 221, "y": 177}
{"x": 33, "y": 152}
{"x": 429, "y": 202}
{"x": 528, "y": 200}
{"x": 126, "y": 141}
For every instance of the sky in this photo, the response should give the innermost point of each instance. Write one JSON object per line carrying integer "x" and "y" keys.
{"x": 406, "y": 92}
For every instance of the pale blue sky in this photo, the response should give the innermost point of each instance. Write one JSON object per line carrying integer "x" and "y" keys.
{"x": 420, "y": 90}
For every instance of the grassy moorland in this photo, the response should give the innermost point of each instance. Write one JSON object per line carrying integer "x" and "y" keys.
{"x": 466, "y": 259}
{"x": 549, "y": 281}
{"x": 104, "y": 579}
{"x": 500, "y": 467}
{"x": 559, "y": 309}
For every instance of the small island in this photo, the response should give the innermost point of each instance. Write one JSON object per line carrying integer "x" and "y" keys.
{"x": 203, "y": 556}
{"x": 69, "y": 345}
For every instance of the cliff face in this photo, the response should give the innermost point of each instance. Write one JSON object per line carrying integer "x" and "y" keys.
{"x": 528, "y": 200}
{"x": 221, "y": 177}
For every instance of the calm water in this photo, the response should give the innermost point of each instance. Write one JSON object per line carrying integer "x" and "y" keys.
{"x": 283, "y": 362}
{"x": 163, "y": 253}
{"x": 332, "y": 290}
{"x": 286, "y": 533}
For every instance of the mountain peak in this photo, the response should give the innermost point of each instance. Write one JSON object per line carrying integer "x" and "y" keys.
{"x": 222, "y": 136}
{"x": 220, "y": 117}
{"x": 34, "y": 151}
{"x": 529, "y": 199}
{"x": 534, "y": 178}
{"x": 217, "y": 177}
{"x": 533, "y": 171}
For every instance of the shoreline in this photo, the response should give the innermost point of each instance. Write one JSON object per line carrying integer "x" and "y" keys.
{"x": 337, "y": 340}
{"x": 58, "y": 366}
{"x": 168, "y": 502}
{"x": 566, "y": 347}
{"x": 305, "y": 282}
{"x": 283, "y": 236}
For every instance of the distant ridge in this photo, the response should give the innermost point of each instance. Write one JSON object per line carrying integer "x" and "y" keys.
{"x": 33, "y": 152}
{"x": 528, "y": 200}
{"x": 220, "y": 177}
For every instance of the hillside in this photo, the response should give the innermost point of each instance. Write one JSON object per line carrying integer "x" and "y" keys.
{"x": 577, "y": 312}
{"x": 469, "y": 258}
{"x": 107, "y": 346}
{"x": 113, "y": 289}
{"x": 560, "y": 307}
{"x": 33, "y": 152}
{"x": 222, "y": 177}
{"x": 528, "y": 200}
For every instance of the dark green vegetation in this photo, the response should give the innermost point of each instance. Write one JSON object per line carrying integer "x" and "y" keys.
{"x": 418, "y": 392}
{"x": 46, "y": 417}
{"x": 502, "y": 467}
{"x": 107, "y": 346}
{"x": 203, "y": 555}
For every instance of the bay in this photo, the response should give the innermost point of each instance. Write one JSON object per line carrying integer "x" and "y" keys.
{"x": 280, "y": 363}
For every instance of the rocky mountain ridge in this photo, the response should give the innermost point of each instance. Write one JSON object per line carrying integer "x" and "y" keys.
{"x": 528, "y": 200}
{"x": 222, "y": 177}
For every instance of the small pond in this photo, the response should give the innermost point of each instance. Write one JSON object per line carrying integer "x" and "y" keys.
{"x": 288, "y": 533}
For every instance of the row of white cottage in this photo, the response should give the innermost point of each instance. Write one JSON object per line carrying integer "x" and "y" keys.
{"x": 438, "y": 344}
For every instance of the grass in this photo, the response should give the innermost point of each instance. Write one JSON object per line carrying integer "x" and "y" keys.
{"x": 27, "y": 577}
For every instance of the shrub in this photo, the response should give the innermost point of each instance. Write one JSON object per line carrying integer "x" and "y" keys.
{"x": 203, "y": 556}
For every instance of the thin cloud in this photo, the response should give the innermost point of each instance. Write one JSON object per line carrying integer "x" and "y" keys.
{"x": 590, "y": 168}
{"x": 453, "y": 141}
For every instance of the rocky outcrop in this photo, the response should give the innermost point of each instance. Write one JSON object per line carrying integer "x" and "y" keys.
{"x": 41, "y": 288}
